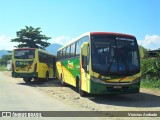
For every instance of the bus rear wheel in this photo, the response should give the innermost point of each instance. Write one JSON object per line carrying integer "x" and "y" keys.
{"x": 27, "y": 80}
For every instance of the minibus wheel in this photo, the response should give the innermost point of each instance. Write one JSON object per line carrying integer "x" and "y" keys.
{"x": 27, "y": 80}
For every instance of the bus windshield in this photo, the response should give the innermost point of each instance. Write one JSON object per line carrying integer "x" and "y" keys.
{"x": 113, "y": 54}
{"x": 24, "y": 54}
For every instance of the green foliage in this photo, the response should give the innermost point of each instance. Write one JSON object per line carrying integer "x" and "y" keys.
{"x": 151, "y": 83}
{"x": 150, "y": 66}
{"x": 2, "y": 67}
{"x": 4, "y": 59}
{"x": 32, "y": 38}
{"x": 150, "y": 70}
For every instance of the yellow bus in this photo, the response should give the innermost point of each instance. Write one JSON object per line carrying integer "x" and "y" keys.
{"x": 100, "y": 63}
{"x": 32, "y": 63}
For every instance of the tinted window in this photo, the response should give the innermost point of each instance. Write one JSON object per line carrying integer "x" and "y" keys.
{"x": 115, "y": 55}
{"x": 72, "y": 52}
{"x": 79, "y": 44}
{"x": 24, "y": 54}
{"x": 68, "y": 52}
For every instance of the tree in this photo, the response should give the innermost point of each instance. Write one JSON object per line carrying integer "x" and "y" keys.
{"x": 4, "y": 59}
{"x": 32, "y": 38}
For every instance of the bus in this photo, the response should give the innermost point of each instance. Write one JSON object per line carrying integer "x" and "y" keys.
{"x": 33, "y": 63}
{"x": 100, "y": 63}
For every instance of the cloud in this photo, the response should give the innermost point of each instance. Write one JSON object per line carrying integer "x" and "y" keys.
{"x": 151, "y": 42}
{"x": 63, "y": 40}
{"x": 5, "y": 43}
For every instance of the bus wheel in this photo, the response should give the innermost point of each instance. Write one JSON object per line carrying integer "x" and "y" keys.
{"x": 27, "y": 80}
{"x": 47, "y": 76}
{"x": 81, "y": 92}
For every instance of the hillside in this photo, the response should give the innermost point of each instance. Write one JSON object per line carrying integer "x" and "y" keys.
{"x": 3, "y": 52}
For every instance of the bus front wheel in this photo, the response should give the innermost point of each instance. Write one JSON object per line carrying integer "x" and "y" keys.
{"x": 27, "y": 80}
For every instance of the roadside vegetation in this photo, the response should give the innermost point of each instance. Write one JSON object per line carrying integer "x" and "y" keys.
{"x": 150, "y": 68}
{"x": 3, "y": 61}
{"x": 2, "y": 68}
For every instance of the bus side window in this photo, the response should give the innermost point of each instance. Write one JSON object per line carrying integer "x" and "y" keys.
{"x": 62, "y": 54}
{"x": 78, "y": 48}
{"x": 58, "y": 56}
{"x": 68, "y": 52}
{"x": 72, "y": 51}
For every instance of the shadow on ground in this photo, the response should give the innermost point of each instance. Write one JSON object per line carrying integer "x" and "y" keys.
{"x": 43, "y": 83}
{"x": 127, "y": 100}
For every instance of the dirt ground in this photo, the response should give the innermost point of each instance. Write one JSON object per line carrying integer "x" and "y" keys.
{"x": 146, "y": 100}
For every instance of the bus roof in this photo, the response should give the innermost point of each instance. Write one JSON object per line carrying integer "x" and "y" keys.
{"x": 110, "y": 33}
{"x": 96, "y": 33}
{"x": 41, "y": 50}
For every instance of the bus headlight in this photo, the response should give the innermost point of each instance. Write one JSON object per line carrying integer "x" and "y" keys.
{"x": 136, "y": 81}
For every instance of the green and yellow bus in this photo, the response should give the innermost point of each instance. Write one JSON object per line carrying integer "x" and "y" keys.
{"x": 28, "y": 63}
{"x": 100, "y": 63}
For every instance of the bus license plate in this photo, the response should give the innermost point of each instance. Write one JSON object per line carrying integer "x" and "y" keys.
{"x": 117, "y": 87}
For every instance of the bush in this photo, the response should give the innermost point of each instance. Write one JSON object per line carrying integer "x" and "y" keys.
{"x": 150, "y": 70}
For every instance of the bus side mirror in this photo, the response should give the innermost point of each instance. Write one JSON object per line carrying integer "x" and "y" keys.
{"x": 84, "y": 48}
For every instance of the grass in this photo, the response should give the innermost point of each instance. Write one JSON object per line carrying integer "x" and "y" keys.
{"x": 150, "y": 83}
{"x": 2, "y": 68}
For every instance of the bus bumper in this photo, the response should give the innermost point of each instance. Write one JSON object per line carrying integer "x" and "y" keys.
{"x": 25, "y": 75}
{"x": 99, "y": 88}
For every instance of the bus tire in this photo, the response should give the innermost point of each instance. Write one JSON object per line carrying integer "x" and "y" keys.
{"x": 27, "y": 80}
{"x": 81, "y": 92}
{"x": 47, "y": 76}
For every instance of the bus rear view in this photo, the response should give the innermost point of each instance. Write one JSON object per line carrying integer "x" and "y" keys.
{"x": 23, "y": 63}
{"x": 32, "y": 63}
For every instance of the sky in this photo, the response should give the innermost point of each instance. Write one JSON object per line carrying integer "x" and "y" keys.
{"x": 64, "y": 20}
